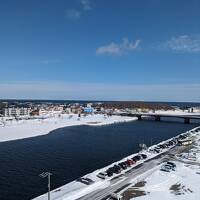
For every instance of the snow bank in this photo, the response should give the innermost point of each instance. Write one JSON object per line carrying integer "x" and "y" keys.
{"x": 184, "y": 180}
{"x": 13, "y": 130}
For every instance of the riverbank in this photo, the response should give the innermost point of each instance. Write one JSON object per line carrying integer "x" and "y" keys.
{"x": 13, "y": 130}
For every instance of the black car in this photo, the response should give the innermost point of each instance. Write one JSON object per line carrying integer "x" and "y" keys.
{"x": 162, "y": 146}
{"x": 168, "y": 144}
{"x": 116, "y": 169}
{"x": 171, "y": 164}
{"x": 136, "y": 158}
{"x": 182, "y": 137}
{"x": 123, "y": 165}
{"x": 144, "y": 156}
{"x": 110, "y": 172}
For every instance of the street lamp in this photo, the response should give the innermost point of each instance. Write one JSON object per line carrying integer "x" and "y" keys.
{"x": 44, "y": 175}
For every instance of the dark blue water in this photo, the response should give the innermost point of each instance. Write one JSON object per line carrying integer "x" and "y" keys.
{"x": 73, "y": 152}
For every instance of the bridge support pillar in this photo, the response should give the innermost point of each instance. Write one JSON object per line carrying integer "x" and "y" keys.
{"x": 157, "y": 118}
{"x": 139, "y": 117}
{"x": 186, "y": 120}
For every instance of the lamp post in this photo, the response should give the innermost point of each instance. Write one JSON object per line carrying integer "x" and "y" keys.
{"x": 48, "y": 175}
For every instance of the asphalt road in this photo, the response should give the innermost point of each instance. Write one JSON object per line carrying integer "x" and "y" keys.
{"x": 117, "y": 184}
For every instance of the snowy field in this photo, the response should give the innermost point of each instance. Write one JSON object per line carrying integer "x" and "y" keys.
{"x": 13, "y": 130}
{"x": 181, "y": 184}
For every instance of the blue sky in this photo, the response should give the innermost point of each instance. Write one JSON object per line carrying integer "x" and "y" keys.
{"x": 100, "y": 49}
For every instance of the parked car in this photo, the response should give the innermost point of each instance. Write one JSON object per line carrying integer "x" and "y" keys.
{"x": 158, "y": 150}
{"x": 133, "y": 161}
{"x": 86, "y": 181}
{"x": 102, "y": 175}
{"x": 162, "y": 146}
{"x": 167, "y": 167}
{"x": 123, "y": 165}
{"x": 144, "y": 156}
{"x": 171, "y": 163}
{"x": 130, "y": 162}
{"x": 182, "y": 137}
{"x": 136, "y": 158}
{"x": 109, "y": 172}
{"x": 171, "y": 143}
{"x": 168, "y": 144}
{"x": 197, "y": 130}
{"x": 164, "y": 169}
{"x": 116, "y": 169}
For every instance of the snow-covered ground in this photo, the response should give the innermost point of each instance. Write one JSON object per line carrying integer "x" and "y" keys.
{"x": 13, "y": 130}
{"x": 181, "y": 184}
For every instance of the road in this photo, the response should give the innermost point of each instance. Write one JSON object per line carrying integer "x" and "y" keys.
{"x": 117, "y": 184}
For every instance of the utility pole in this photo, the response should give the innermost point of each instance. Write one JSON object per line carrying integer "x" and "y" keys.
{"x": 48, "y": 175}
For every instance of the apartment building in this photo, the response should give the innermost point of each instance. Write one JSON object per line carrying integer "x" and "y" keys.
{"x": 9, "y": 112}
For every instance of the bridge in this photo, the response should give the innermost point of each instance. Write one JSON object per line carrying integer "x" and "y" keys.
{"x": 187, "y": 118}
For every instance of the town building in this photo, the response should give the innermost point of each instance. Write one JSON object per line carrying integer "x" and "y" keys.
{"x": 11, "y": 112}
{"x": 88, "y": 110}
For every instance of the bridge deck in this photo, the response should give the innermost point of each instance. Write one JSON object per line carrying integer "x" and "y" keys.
{"x": 139, "y": 115}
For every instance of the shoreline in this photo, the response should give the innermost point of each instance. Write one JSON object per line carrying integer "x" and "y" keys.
{"x": 11, "y": 130}
{"x": 16, "y": 130}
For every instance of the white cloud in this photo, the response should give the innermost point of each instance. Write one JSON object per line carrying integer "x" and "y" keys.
{"x": 86, "y": 4}
{"x": 183, "y": 44}
{"x": 73, "y": 14}
{"x": 118, "y": 49}
{"x": 94, "y": 91}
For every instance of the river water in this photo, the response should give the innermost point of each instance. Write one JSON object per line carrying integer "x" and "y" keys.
{"x": 72, "y": 152}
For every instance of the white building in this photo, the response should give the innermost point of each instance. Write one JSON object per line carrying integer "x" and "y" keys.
{"x": 9, "y": 112}
{"x": 194, "y": 110}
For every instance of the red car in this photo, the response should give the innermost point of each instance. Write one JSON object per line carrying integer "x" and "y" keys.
{"x": 130, "y": 162}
